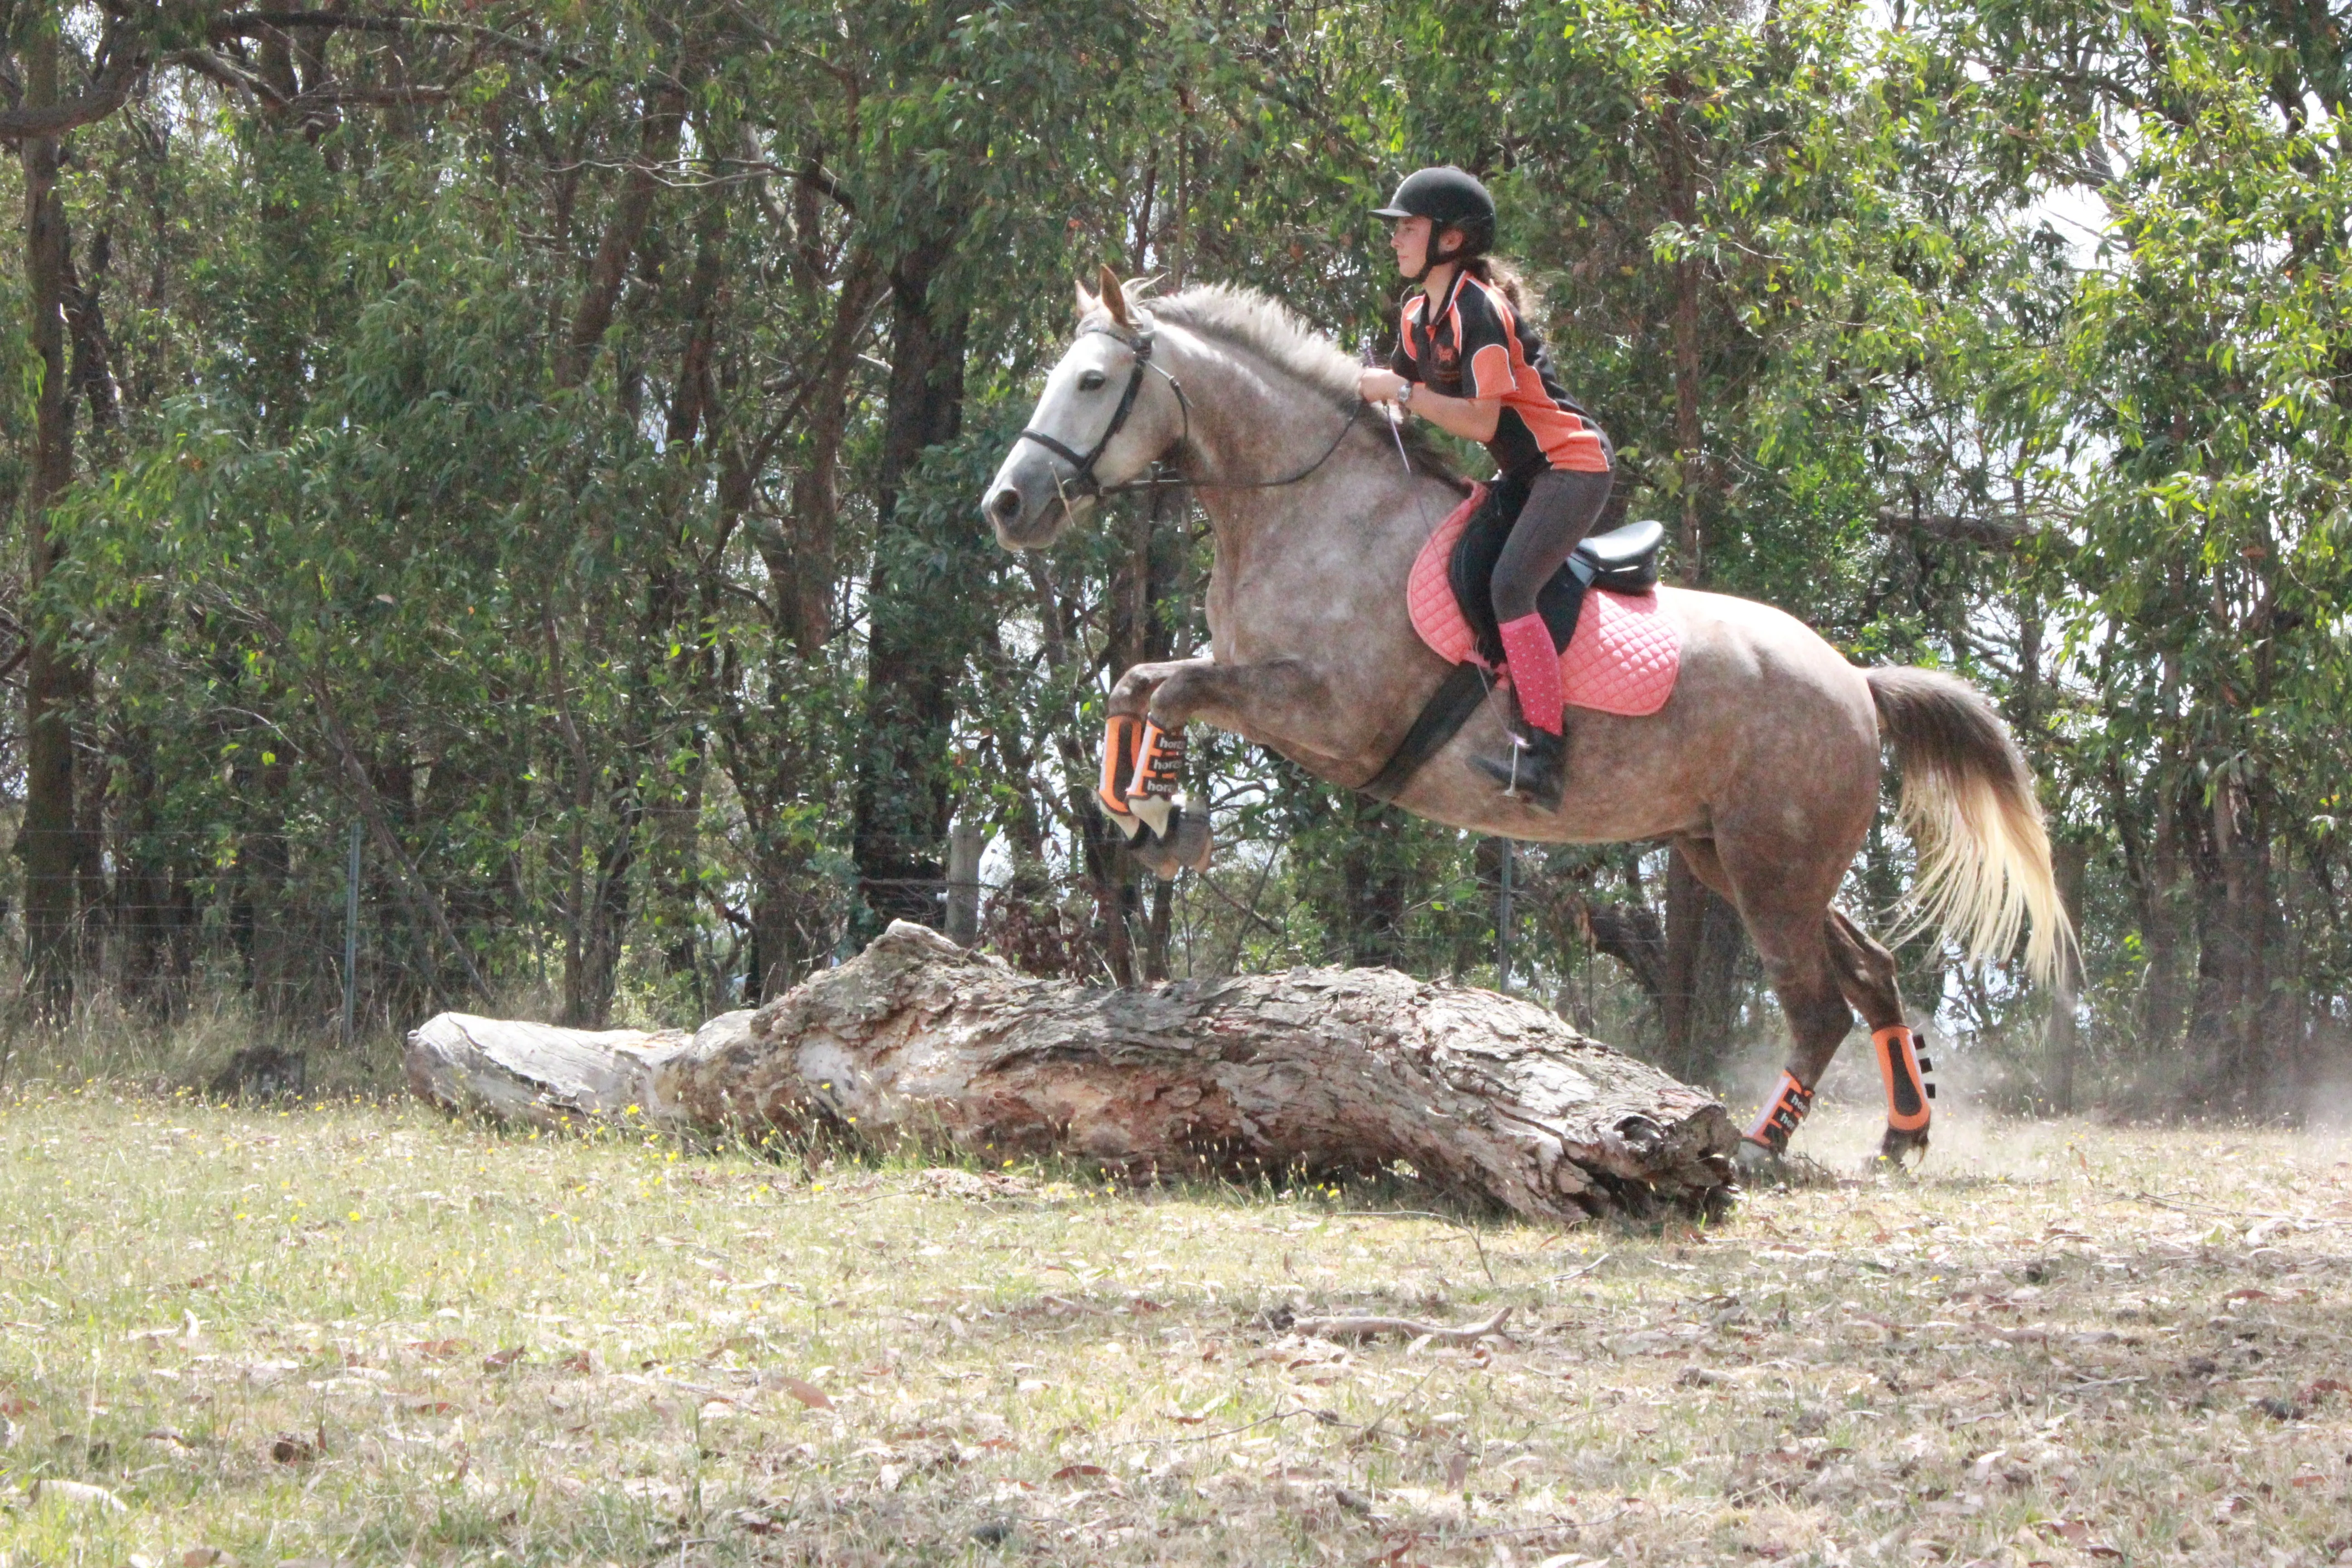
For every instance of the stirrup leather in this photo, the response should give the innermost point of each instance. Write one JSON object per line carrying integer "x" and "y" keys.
{"x": 1788, "y": 1106}
{"x": 1122, "y": 745}
{"x": 1904, "y": 1071}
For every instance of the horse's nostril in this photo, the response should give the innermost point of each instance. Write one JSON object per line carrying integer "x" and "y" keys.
{"x": 1004, "y": 504}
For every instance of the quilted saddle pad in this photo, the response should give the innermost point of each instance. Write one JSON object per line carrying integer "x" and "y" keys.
{"x": 1623, "y": 658}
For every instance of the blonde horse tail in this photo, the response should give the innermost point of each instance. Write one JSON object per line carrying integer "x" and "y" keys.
{"x": 1969, "y": 803}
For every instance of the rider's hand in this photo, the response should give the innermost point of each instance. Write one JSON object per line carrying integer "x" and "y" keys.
{"x": 1374, "y": 384}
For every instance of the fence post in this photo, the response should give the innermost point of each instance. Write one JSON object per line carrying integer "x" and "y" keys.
{"x": 351, "y": 938}
{"x": 965, "y": 841}
{"x": 1503, "y": 924}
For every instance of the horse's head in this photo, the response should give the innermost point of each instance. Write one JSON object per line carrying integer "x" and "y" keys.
{"x": 1103, "y": 419}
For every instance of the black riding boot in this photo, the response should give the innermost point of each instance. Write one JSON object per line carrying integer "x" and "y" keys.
{"x": 1535, "y": 767}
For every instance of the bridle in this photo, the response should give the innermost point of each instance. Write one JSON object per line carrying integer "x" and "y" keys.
{"x": 1082, "y": 480}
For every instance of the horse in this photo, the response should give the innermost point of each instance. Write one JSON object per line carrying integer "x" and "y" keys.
{"x": 1761, "y": 770}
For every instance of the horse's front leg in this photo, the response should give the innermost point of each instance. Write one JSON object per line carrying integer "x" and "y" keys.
{"x": 1131, "y": 697}
{"x": 1280, "y": 702}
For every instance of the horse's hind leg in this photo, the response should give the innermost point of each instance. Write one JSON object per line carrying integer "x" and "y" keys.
{"x": 1783, "y": 917}
{"x": 1866, "y": 974}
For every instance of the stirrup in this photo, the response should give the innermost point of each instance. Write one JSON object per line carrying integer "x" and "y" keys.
{"x": 1524, "y": 775}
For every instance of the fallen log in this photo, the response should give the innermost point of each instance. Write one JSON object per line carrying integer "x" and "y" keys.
{"x": 1317, "y": 1072}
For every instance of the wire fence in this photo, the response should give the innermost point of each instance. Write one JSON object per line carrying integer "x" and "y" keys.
{"x": 325, "y": 937}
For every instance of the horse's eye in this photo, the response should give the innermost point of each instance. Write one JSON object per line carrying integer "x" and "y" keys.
{"x": 1091, "y": 380}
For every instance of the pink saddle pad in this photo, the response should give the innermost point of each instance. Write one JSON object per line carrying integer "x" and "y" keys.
{"x": 1623, "y": 658}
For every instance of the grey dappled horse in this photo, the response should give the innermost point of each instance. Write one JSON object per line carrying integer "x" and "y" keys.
{"x": 1762, "y": 769}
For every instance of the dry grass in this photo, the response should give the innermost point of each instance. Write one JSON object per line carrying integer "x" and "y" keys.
{"x": 358, "y": 1333}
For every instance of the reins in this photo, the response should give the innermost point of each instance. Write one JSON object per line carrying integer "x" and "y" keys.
{"x": 1082, "y": 479}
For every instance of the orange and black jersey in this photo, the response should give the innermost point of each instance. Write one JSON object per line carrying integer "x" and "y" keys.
{"x": 1475, "y": 345}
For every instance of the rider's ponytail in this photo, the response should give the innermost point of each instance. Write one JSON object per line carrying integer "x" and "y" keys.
{"x": 1507, "y": 280}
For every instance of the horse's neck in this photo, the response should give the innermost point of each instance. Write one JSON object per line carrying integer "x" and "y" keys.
{"x": 1348, "y": 528}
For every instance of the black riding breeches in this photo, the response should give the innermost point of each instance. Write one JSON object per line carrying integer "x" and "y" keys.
{"x": 1561, "y": 507}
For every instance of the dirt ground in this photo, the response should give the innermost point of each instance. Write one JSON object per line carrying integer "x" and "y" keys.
{"x": 357, "y": 1333}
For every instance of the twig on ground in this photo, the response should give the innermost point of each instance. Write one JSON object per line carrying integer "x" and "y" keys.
{"x": 1365, "y": 1328}
{"x": 1579, "y": 1273}
{"x": 2178, "y": 1208}
{"x": 1325, "y": 1417}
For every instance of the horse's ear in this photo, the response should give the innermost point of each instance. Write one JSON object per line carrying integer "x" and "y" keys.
{"x": 1114, "y": 298}
{"x": 1088, "y": 303}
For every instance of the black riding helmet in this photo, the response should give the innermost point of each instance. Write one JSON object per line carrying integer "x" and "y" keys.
{"x": 1449, "y": 198}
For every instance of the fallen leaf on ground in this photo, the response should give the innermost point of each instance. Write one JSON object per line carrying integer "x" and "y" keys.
{"x": 808, "y": 1394}
{"x": 78, "y": 1494}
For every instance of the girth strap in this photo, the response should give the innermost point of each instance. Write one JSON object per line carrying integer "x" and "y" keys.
{"x": 1442, "y": 717}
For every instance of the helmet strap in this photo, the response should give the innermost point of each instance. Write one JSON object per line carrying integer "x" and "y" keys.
{"x": 1460, "y": 256}
{"x": 1430, "y": 260}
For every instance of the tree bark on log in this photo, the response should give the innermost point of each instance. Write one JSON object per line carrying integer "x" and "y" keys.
{"x": 1316, "y": 1071}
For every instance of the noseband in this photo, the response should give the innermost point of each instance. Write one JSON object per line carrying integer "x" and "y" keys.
{"x": 1082, "y": 480}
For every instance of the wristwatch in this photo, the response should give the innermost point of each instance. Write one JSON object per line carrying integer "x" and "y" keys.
{"x": 1404, "y": 396}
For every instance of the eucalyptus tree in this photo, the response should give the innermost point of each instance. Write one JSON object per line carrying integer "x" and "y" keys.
{"x": 2190, "y": 418}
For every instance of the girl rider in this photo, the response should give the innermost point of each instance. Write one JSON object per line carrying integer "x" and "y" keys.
{"x": 1468, "y": 364}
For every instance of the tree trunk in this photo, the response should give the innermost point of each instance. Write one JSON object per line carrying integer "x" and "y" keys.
{"x": 659, "y": 128}
{"x": 2068, "y": 863}
{"x": 1315, "y": 1071}
{"x": 1376, "y": 877}
{"x": 1699, "y": 999}
{"x": 46, "y": 839}
{"x": 1689, "y": 372}
{"x": 902, "y": 802}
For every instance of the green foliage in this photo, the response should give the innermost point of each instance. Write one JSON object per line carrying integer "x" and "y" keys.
{"x": 537, "y": 471}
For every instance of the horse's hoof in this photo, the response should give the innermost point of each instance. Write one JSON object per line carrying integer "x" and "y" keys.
{"x": 1898, "y": 1147}
{"x": 1190, "y": 844}
{"x": 1154, "y": 853}
{"x": 1758, "y": 1166}
{"x": 1186, "y": 845}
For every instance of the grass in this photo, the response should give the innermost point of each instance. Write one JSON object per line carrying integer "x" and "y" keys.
{"x": 356, "y": 1332}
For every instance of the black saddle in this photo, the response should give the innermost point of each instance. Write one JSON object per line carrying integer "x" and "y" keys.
{"x": 1623, "y": 561}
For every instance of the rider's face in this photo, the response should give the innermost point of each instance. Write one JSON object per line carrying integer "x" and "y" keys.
{"x": 1409, "y": 237}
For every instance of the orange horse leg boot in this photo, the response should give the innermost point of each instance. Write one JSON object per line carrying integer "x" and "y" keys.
{"x": 1159, "y": 767}
{"x": 1122, "y": 743}
{"x": 1782, "y": 1114}
{"x": 1904, "y": 1069}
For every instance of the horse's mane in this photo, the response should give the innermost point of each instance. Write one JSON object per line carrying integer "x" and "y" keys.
{"x": 1267, "y": 328}
{"x": 1278, "y": 335}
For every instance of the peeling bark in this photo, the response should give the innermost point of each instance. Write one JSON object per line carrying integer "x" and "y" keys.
{"x": 1320, "y": 1071}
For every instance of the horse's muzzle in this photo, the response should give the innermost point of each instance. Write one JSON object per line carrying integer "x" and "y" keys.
{"x": 1022, "y": 522}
